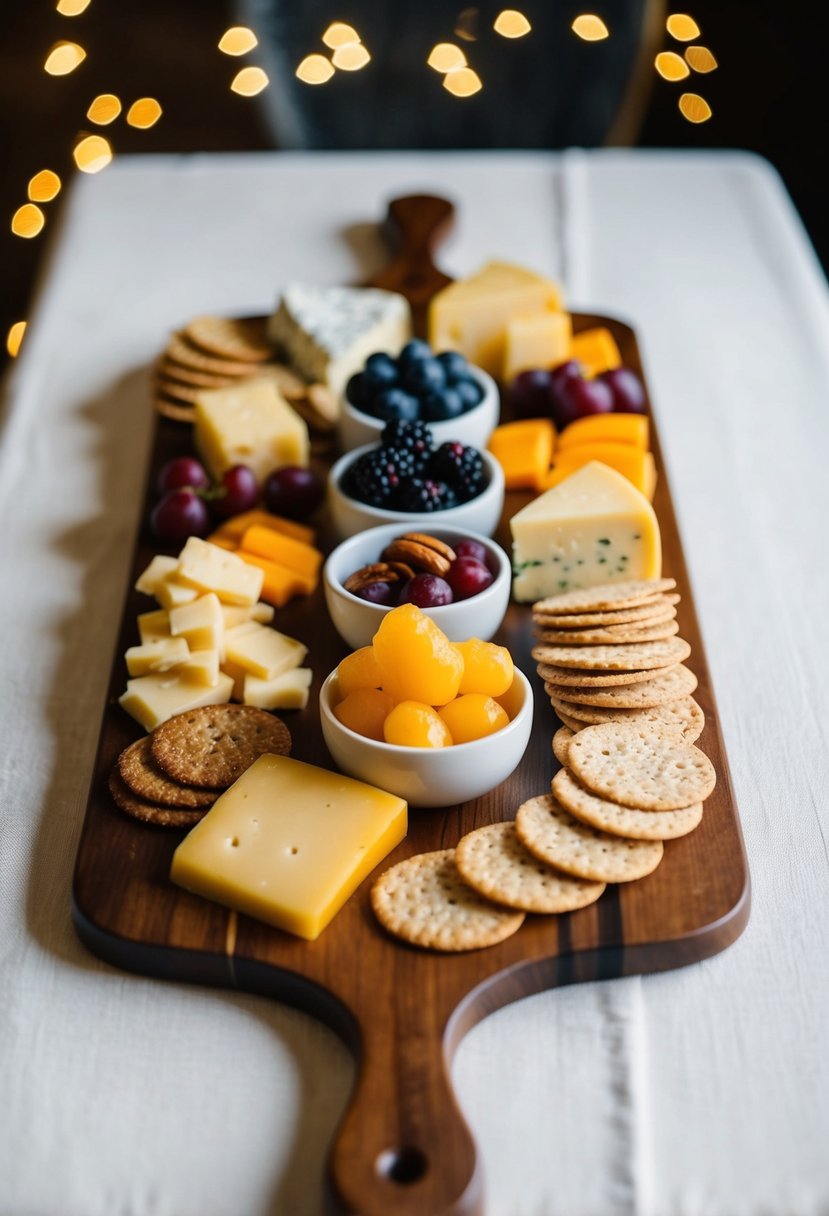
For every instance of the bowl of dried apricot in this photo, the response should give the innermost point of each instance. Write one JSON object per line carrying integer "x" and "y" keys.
{"x": 461, "y": 579}
{"x": 435, "y": 722}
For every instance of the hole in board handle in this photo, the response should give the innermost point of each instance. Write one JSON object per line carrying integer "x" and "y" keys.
{"x": 402, "y": 1165}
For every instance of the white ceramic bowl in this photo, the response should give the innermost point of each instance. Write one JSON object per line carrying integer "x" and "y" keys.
{"x": 357, "y": 621}
{"x": 427, "y": 776}
{"x": 480, "y": 514}
{"x": 474, "y": 427}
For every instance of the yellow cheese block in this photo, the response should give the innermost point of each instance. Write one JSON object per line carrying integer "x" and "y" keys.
{"x": 537, "y": 339}
{"x": 152, "y": 626}
{"x": 262, "y": 651}
{"x": 592, "y": 528}
{"x": 471, "y": 315}
{"x": 288, "y": 843}
{"x": 208, "y": 568}
{"x": 233, "y": 529}
{"x": 201, "y": 623}
{"x": 248, "y": 423}
{"x": 524, "y": 450}
{"x": 290, "y": 690}
{"x": 279, "y": 584}
{"x": 606, "y": 428}
{"x": 159, "y": 568}
{"x": 596, "y": 350}
{"x": 234, "y": 615}
{"x": 201, "y": 668}
{"x": 171, "y": 592}
{"x": 637, "y": 466}
{"x": 159, "y": 655}
{"x": 153, "y": 699}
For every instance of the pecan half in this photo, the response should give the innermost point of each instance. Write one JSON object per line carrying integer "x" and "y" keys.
{"x": 424, "y": 552}
{"x": 377, "y": 572}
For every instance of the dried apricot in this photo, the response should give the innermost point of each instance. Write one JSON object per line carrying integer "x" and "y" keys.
{"x": 473, "y": 716}
{"x": 358, "y": 670}
{"x": 417, "y": 661}
{"x": 487, "y": 668}
{"x": 413, "y": 724}
{"x": 365, "y": 710}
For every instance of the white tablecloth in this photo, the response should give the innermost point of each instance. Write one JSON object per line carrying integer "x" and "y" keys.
{"x": 700, "y": 1092}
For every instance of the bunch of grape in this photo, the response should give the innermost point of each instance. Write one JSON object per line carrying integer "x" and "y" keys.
{"x": 565, "y": 394}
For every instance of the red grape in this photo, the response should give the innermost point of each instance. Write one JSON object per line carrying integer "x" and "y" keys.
{"x": 471, "y": 548}
{"x": 376, "y": 593}
{"x": 179, "y": 514}
{"x": 426, "y": 591}
{"x": 628, "y": 392}
{"x": 293, "y": 492}
{"x": 181, "y": 472}
{"x": 578, "y": 398}
{"x": 529, "y": 394}
{"x": 467, "y": 577}
{"x": 238, "y": 491}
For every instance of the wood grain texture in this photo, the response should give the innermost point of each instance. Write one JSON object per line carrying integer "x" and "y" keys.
{"x": 403, "y": 1145}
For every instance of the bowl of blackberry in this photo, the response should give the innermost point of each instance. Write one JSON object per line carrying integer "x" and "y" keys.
{"x": 409, "y": 477}
{"x": 459, "y": 401}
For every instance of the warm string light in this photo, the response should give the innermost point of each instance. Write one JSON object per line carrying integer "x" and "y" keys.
{"x": 315, "y": 69}
{"x": 510, "y": 23}
{"x": 682, "y": 27}
{"x": 72, "y": 8}
{"x": 238, "y": 40}
{"x": 466, "y": 26}
{"x": 104, "y": 109}
{"x": 348, "y": 54}
{"x": 28, "y": 221}
{"x": 694, "y": 108}
{"x": 249, "y": 81}
{"x": 462, "y": 82}
{"x": 700, "y": 59}
{"x": 672, "y": 66}
{"x": 92, "y": 153}
{"x": 44, "y": 186}
{"x": 144, "y": 113}
{"x": 14, "y": 338}
{"x": 446, "y": 57}
{"x": 590, "y": 28}
{"x": 339, "y": 34}
{"x": 63, "y": 58}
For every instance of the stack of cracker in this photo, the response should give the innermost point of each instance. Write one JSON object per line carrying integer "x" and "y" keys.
{"x": 217, "y": 352}
{"x": 172, "y": 777}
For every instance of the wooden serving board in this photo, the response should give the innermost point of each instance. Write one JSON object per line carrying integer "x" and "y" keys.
{"x": 403, "y": 1146}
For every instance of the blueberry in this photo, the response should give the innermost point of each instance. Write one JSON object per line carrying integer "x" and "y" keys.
{"x": 380, "y": 373}
{"x": 424, "y": 377}
{"x": 469, "y": 391}
{"x": 413, "y": 352}
{"x": 440, "y": 406}
{"x": 455, "y": 364}
{"x": 359, "y": 393}
{"x": 395, "y": 403}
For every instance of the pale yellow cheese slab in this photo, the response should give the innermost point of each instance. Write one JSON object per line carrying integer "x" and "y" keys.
{"x": 249, "y": 423}
{"x": 200, "y": 623}
{"x": 289, "y": 690}
{"x": 209, "y": 568}
{"x": 288, "y": 843}
{"x": 153, "y": 699}
{"x": 262, "y": 651}
{"x": 159, "y": 655}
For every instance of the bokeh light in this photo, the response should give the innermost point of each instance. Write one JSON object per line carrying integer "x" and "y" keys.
{"x": 701, "y": 59}
{"x": 315, "y": 69}
{"x": 44, "y": 186}
{"x": 350, "y": 57}
{"x": 682, "y": 27}
{"x": 340, "y": 34}
{"x": 671, "y": 66}
{"x": 28, "y": 221}
{"x": 249, "y": 81}
{"x": 590, "y": 27}
{"x": 15, "y": 337}
{"x": 462, "y": 82}
{"x": 92, "y": 154}
{"x": 238, "y": 40}
{"x": 63, "y": 58}
{"x": 694, "y": 108}
{"x": 446, "y": 57}
{"x": 72, "y": 8}
{"x": 144, "y": 113}
{"x": 510, "y": 23}
{"x": 104, "y": 109}
{"x": 466, "y": 26}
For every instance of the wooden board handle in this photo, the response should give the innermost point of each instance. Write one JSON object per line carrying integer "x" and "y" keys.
{"x": 403, "y": 1146}
{"x": 414, "y": 227}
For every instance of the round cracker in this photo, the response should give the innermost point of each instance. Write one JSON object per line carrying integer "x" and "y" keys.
{"x": 661, "y": 607}
{"x": 230, "y": 338}
{"x": 174, "y": 410}
{"x": 148, "y": 812}
{"x": 146, "y": 780}
{"x": 635, "y": 766}
{"x": 608, "y": 596}
{"x": 583, "y": 679}
{"x": 425, "y": 901}
{"x": 651, "y": 688}
{"x": 610, "y": 634}
{"x": 494, "y": 862}
{"x": 213, "y": 745}
{"x": 565, "y": 719}
{"x": 185, "y": 394}
{"x": 561, "y": 743}
{"x": 180, "y": 350}
{"x": 683, "y": 716}
{"x": 619, "y": 820}
{"x": 620, "y": 657}
{"x": 555, "y": 836}
{"x": 167, "y": 370}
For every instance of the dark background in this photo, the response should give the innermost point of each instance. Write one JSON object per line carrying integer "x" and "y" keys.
{"x": 767, "y": 95}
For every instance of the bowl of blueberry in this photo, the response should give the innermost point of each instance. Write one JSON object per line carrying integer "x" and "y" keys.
{"x": 409, "y": 476}
{"x": 460, "y": 578}
{"x": 459, "y": 401}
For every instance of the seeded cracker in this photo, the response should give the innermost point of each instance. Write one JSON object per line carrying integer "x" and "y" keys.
{"x": 226, "y": 338}
{"x": 425, "y": 901}
{"x": 683, "y": 716}
{"x": 661, "y": 607}
{"x": 146, "y": 780}
{"x": 565, "y": 719}
{"x": 579, "y": 679}
{"x": 611, "y": 634}
{"x": 180, "y": 350}
{"x": 213, "y": 745}
{"x": 653, "y": 688}
{"x": 147, "y": 812}
{"x": 609, "y": 597}
{"x": 622, "y": 820}
{"x": 636, "y": 767}
{"x": 493, "y": 861}
{"x": 632, "y": 657}
{"x": 554, "y": 836}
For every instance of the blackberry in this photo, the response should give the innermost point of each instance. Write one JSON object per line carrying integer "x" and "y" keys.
{"x": 425, "y": 494}
{"x": 416, "y": 437}
{"x": 461, "y": 467}
{"x": 376, "y": 477}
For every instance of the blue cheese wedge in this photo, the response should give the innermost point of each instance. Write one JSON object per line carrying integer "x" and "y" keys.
{"x": 592, "y": 528}
{"x": 327, "y": 333}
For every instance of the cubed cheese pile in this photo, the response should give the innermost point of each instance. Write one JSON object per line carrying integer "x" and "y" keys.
{"x": 281, "y": 549}
{"x": 210, "y": 641}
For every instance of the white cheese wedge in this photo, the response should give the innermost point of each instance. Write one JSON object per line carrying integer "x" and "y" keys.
{"x": 153, "y": 699}
{"x": 288, "y": 843}
{"x": 158, "y": 569}
{"x": 593, "y": 528}
{"x": 209, "y": 568}
{"x": 287, "y": 691}
{"x": 327, "y": 333}
{"x": 159, "y": 655}
{"x": 249, "y": 423}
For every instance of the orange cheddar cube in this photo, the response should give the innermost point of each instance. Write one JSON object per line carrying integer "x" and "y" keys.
{"x": 638, "y": 467}
{"x": 296, "y": 555}
{"x": 233, "y": 529}
{"x": 631, "y": 429}
{"x": 280, "y": 584}
{"x": 525, "y": 452}
{"x": 596, "y": 350}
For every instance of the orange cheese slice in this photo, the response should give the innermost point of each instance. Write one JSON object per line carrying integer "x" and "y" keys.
{"x": 525, "y": 452}
{"x": 638, "y": 467}
{"x": 632, "y": 429}
{"x": 234, "y": 528}
{"x": 280, "y": 584}
{"x": 304, "y": 559}
{"x": 596, "y": 350}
